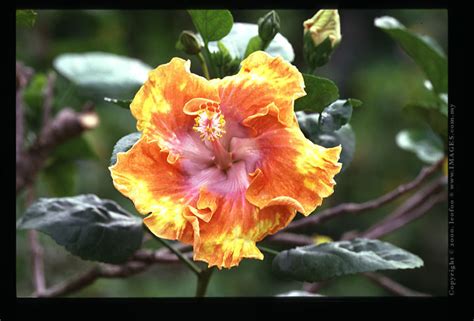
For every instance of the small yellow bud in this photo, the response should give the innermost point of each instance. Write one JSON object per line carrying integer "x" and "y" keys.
{"x": 320, "y": 239}
{"x": 445, "y": 166}
{"x": 324, "y": 24}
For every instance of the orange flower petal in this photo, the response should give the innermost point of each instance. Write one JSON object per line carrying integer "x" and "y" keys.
{"x": 155, "y": 186}
{"x": 205, "y": 206}
{"x": 158, "y": 105}
{"x": 292, "y": 170}
{"x": 234, "y": 229}
{"x": 262, "y": 80}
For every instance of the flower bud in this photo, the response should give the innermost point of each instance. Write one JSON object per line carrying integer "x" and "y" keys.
{"x": 189, "y": 43}
{"x": 268, "y": 26}
{"x": 322, "y": 33}
{"x": 324, "y": 24}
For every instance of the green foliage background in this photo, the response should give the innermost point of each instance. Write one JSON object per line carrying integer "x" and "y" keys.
{"x": 367, "y": 65}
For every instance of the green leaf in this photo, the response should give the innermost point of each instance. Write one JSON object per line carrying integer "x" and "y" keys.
{"x": 124, "y": 103}
{"x": 223, "y": 49}
{"x": 33, "y": 97}
{"x": 355, "y": 102}
{"x": 434, "y": 100}
{"x": 123, "y": 145}
{"x": 87, "y": 226}
{"x": 335, "y": 115}
{"x": 429, "y": 114}
{"x": 255, "y": 44}
{"x": 320, "y": 92}
{"x": 344, "y": 136}
{"x": 33, "y": 94}
{"x": 425, "y": 51}
{"x": 423, "y": 142}
{"x": 212, "y": 25}
{"x": 241, "y": 33}
{"x": 25, "y": 18}
{"x": 60, "y": 177}
{"x": 225, "y": 64}
{"x": 98, "y": 75}
{"x": 315, "y": 263}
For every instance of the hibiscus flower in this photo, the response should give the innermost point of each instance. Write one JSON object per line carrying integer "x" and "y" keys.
{"x": 222, "y": 163}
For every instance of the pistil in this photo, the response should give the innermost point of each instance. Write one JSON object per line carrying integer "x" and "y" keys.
{"x": 222, "y": 157}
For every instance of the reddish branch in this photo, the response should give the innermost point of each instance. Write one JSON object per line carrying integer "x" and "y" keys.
{"x": 23, "y": 75}
{"x": 380, "y": 230}
{"x": 290, "y": 239}
{"x": 48, "y": 97}
{"x": 354, "y": 208}
{"x": 392, "y": 286}
{"x": 314, "y": 287}
{"x": 39, "y": 281}
{"x": 139, "y": 262}
{"x": 36, "y": 251}
{"x": 66, "y": 125}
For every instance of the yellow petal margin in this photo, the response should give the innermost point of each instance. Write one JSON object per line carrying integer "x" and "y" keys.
{"x": 293, "y": 170}
{"x": 158, "y": 105}
{"x": 262, "y": 80}
{"x": 234, "y": 229}
{"x": 156, "y": 187}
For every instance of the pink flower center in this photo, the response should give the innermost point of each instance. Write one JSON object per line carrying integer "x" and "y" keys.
{"x": 223, "y": 156}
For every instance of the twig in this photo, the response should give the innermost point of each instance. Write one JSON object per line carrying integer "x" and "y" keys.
{"x": 66, "y": 125}
{"x": 36, "y": 250}
{"x": 150, "y": 256}
{"x": 23, "y": 75}
{"x": 182, "y": 257}
{"x": 420, "y": 203}
{"x": 48, "y": 97}
{"x": 89, "y": 277}
{"x": 37, "y": 264}
{"x": 71, "y": 285}
{"x": 360, "y": 207}
{"x": 139, "y": 262}
{"x": 19, "y": 125}
{"x": 392, "y": 225}
{"x": 314, "y": 287}
{"x": 290, "y": 239}
{"x": 392, "y": 286}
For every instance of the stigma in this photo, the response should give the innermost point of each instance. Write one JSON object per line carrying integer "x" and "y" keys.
{"x": 210, "y": 122}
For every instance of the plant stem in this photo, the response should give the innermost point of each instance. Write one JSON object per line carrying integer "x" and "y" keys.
{"x": 203, "y": 281}
{"x": 180, "y": 255}
{"x": 211, "y": 62}
{"x": 267, "y": 250}
{"x": 205, "y": 70}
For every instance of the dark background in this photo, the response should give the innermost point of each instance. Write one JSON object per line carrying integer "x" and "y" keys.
{"x": 367, "y": 65}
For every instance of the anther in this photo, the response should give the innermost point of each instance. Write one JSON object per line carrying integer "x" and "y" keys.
{"x": 210, "y": 122}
